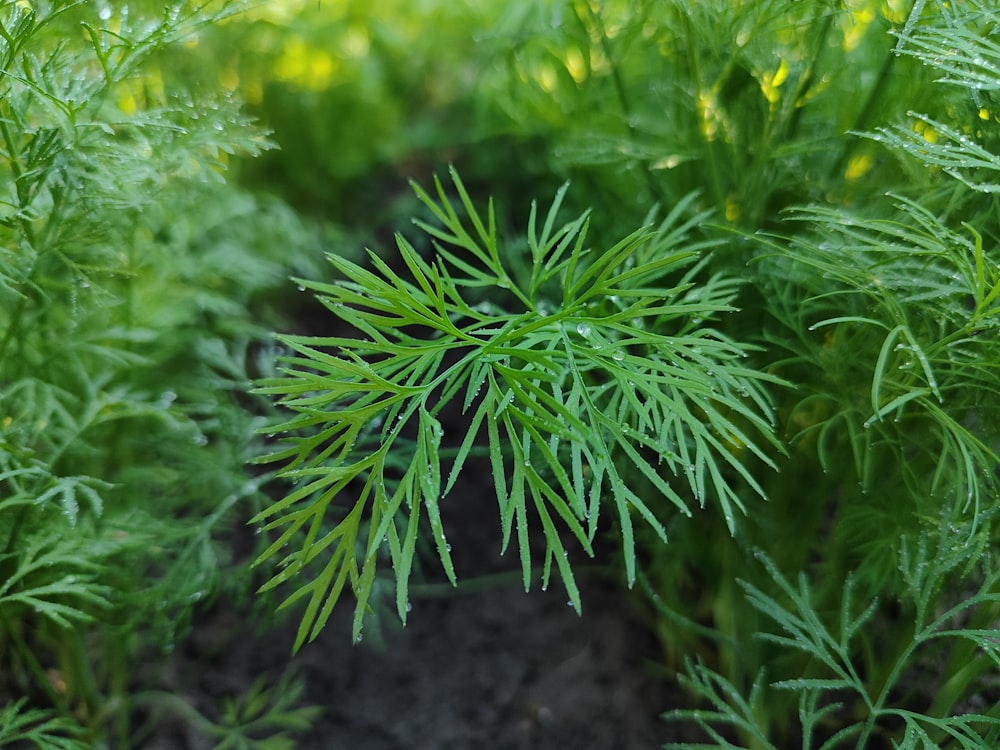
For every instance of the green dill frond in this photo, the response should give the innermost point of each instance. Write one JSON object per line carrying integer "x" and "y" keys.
{"x": 597, "y": 373}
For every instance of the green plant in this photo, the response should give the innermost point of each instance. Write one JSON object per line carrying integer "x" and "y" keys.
{"x": 846, "y": 155}
{"x": 127, "y": 271}
{"x": 589, "y": 372}
{"x": 746, "y": 102}
{"x": 263, "y": 718}
{"x": 848, "y": 696}
{"x": 889, "y": 318}
{"x": 360, "y": 96}
{"x": 38, "y": 727}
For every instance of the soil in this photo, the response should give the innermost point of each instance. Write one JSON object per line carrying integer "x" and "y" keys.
{"x": 484, "y": 666}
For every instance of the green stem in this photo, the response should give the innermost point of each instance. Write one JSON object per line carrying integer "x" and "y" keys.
{"x": 79, "y": 674}
{"x": 16, "y": 529}
{"x": 28, "y": 657}
{"x": 12, "y": 327}
{"x": 876, "y": 94}
{"x": 921, "y": 635}
{"x": 624, "y": 103}
{"x": 699, "y": 88}
{"x": 179, "y": 707}
{"x": 115, "y": 710}
{"x": 17, "y": 169}
{"x": 477, "y": 585}
{"x": 808, "y": 76}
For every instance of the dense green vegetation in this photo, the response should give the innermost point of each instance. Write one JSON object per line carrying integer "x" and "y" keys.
{"x": 748, "y": 326}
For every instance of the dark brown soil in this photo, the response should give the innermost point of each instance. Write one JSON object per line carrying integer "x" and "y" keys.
{"x": 489, "y": 668}
{"x": 499, "y": 669}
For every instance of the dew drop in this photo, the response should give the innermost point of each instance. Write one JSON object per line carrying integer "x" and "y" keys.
{"x": 583, "y": 329}
{"x": 617, "y": 355}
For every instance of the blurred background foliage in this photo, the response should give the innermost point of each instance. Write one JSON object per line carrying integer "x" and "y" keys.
{"x": 637, "y": 102}
{"x": 359, "y": 96}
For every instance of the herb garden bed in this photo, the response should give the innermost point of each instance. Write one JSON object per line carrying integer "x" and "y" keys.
{"x": 495, "y": 669}
{"x": 701, "y": 298}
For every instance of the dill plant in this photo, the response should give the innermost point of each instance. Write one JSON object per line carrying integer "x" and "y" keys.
{"x": 889, "y": 316}
{"x": 126, "y": 270}
{"x": 592, "y": 371}
{"x": 846, "y": 154}
{"x": 878, "y": 308}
